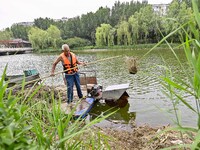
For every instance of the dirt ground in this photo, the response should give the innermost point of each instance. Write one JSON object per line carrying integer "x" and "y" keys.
{"x": 145, "y": 138}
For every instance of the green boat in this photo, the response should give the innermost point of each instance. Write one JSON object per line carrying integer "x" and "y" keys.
{"x": 30, "y": 76}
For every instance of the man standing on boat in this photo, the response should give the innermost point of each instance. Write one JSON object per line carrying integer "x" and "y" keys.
{"x": 69, "y": 62}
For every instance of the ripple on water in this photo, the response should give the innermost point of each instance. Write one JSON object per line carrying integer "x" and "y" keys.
{"x": 147, "y": 103}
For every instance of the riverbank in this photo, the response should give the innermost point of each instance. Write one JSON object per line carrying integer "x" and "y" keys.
{"x": 145, "y": 138}
{"x": 129, "y": 47}
{"x": 138, "y": 98}
{"x": 142, "y": 137}
{"x": 115, "y": 47}
{"x": 137, "y": 138}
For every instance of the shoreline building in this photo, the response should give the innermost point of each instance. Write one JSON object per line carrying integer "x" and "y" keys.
{"x": 15, "y": 43}
{"x": 160, "y": 9}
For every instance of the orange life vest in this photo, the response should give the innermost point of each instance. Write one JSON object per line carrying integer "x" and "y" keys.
{"x": 67, "y": 64}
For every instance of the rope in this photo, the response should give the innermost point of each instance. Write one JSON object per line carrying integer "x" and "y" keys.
{"x": 42, "y": 78}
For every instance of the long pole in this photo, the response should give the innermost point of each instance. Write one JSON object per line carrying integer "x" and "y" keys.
{"x": 89, "y": 63}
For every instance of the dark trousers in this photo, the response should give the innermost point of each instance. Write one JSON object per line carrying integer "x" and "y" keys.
{"x": 71, "y": 79}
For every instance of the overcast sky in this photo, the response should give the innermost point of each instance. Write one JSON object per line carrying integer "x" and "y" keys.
{"x": 14, "y": 11}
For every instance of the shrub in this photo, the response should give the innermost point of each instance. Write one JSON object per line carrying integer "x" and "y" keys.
{"x": 77, "y": 42}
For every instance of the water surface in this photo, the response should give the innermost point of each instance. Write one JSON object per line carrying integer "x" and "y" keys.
{"x": 147, "y": 103}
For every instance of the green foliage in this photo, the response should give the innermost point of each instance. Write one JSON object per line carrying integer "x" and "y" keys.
{"x": 147, "y": 21}
{"x": 54, "y": 36}
{"x": 105, "y": 35}
{"x": 134, "y": 27}
{"x": 77, "y": 42}
{"x": 38, "y": 38}
{"x": 122, "y": 11}
{"x": 88, "y": 24}
{"x": 41, "y": 39}
{"x": 102, "y": 15}
{"x": 178, "y": 14}
{"x": 176, "y": 87}
{"x": 6, "y": 35}
{"x": 14, "y": 126}
{"x": 27, "y": 122}
{"x": 85, "y": 47}
{"x": 43, "y": 23}
{"x": 71, "y": 28}
{"x": 123, "y": 34}
{"x": 20, "y": 31}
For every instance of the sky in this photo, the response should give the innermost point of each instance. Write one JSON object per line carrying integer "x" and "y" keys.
{"x": 15, "y": 11}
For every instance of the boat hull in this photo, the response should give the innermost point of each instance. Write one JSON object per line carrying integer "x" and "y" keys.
{"x": 114, "y": 92}
{"x": 30, "y": 77}
{"x": 84, "y": 107}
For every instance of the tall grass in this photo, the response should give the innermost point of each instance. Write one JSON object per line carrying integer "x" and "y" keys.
{"x": 30, "y": 123}
{"x": 174, "y": 86}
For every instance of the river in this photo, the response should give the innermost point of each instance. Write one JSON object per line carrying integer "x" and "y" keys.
{"x": 147, "y": 103}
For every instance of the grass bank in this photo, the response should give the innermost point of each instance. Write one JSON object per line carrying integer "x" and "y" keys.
{"x": 116, "y": 47}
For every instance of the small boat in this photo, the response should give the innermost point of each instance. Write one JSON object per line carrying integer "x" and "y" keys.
{"x": 11, "y": 77}
{"x": 94, "y": 92}
{"x": 30, "y": 77}
{"x": 116, "y": 95}
{"x": 84, "y": 107}
{"x": 87, "y": 103}
{"x": 114, "y": 92}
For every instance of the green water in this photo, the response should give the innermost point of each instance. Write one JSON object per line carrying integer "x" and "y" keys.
{"x": 146, "y": 104}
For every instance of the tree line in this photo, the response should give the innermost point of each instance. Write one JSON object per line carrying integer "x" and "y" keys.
{"x": 126, "y": 23}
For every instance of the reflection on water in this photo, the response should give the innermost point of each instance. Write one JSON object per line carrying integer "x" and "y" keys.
{"x": 122, "y": 119}
{"x": 147, "y": 104}
{"x": 123, "y": 115}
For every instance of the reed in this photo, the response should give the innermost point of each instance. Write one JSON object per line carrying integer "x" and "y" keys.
{"x": 175, "y": 86}
{"x": 29, "y": 123}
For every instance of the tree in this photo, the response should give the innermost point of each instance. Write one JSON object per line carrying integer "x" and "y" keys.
{"x": 88, "y": 26}
{"x": 71, "y": 28}
{"x": 187, "y": 2}
{"x": 111, "y": 37}
{"x": 77, "y": 42}
{"x": 104, "y": 35}
{"x": 102, "y": 15}
{"x": 178, "y": 14}
{"x": 43, "y": 23}
{"x": 6, "y": 34}
{"x": 147, "y": 21}
{"x": 38, "y": 38}
{"x": 54, "y": 36}
{"x": 134, "y": 27}
{"x": 122, "y": 11}
{"x": 123, "y": 34}
{"x": 20, "y": 31}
